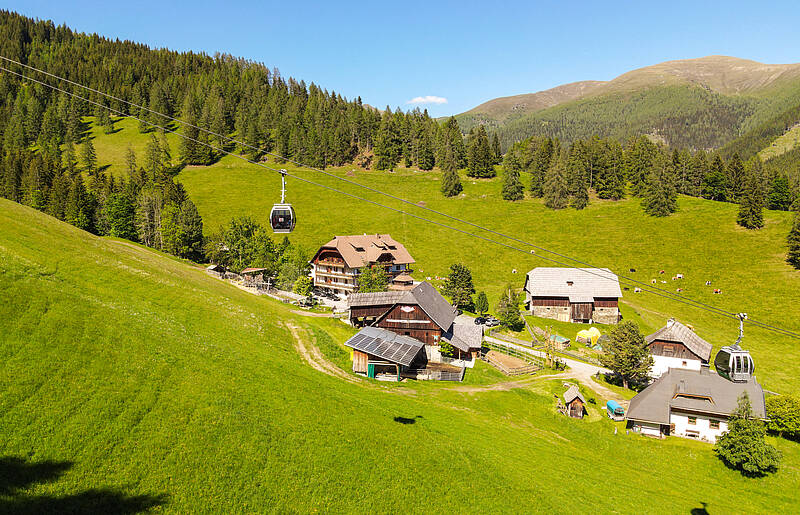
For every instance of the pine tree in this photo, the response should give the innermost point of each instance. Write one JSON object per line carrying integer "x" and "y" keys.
{"x": 577, "y": 163}
{"x": 735, "y": 178}
{"x": 130, "y": 161}
{"x": 638, "y": 162}
{"x": 556, "y": 194}
{"x": 451, "y": 183}
{"x": 715, "y": 183}
{"x": 751, "y": 202}
{"x": 89, "y": 157}
{"x": 480, "y": 161}
{"x": 793, "y": 240}
{"x": 498, "y": 155}
{"x": 78, "y": 212}
{"x": 388, "y": 142}
{"x": 458, "y": 285}
{"x": 70, "y": 161}
{"x": 481, "y": 303}
{"x": 120, "y": 216}
{"x": 543, "y": 154}
{"x": 153, "y": 157}
{"x": 512, "y": 186}
{"x": 661, "y": 197}
{"x": 780, "y": 194}
{"x": 743, "y": 445}
{"x": 508, "y": 310}
{"x": 627, "y": 354}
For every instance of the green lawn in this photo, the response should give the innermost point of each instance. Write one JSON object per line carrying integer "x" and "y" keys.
{"x": 131, "y": 379}
{"x": 701, "y": 241}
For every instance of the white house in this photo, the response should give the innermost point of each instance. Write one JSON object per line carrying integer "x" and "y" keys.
{"x": 677, "y": 346}
{"x": 691, "y": 403}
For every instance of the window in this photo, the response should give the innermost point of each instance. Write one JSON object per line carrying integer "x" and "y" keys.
{"x": 683, "y": 363}
{"x": 714, "y": 424}
{"x": 692, "y": 421}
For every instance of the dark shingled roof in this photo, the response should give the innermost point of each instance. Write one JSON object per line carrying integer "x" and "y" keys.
{"x": 675, "y": 331}
{"x": 699, "y": 391}
{"x": 423, "y": 295}
{"x": 386, "y": 345}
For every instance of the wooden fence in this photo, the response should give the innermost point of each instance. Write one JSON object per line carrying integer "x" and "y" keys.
{"x": 512, "y": 351}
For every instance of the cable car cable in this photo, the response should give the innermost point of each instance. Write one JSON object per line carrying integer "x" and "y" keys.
{"x": 650, "y": 289}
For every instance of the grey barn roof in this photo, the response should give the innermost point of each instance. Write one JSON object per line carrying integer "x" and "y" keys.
{"x": 571, "y": 393}
{"x": 683, "y": 390}
{"x": 465, "y": 337}
{"x": 386, "y": 345}
{"x": 423, "y": 295}
{"x": 587, "y": 283}
{"x": 675, "y": 331}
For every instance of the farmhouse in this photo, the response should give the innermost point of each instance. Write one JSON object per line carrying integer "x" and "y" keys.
{"x": 677, "y": 346}
{"x": 574, "y": 402}
{"x": 337, "y": 264}
{"x": 691, "y": 403}
{"x": 420, "y": 313}
{"x": 573, "y": 294}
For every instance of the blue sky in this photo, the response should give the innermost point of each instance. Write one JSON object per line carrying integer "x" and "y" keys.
{"x": 463, "y": 52}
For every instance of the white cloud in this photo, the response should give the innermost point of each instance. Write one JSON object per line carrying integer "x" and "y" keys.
{"x": 427, "y": 99}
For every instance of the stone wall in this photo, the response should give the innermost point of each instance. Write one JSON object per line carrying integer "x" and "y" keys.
{"x": 605, "y": 315}
{"x": 561, "y": 313}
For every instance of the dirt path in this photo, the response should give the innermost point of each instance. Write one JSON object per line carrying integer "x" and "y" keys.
{"x": 312, "y": 355}
{"x": 311, "y": 314}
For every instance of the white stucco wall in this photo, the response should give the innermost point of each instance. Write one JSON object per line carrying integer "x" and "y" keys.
{"x": 647, "y": 429}
{"x": 703, "y": 428}
{"x": 663, "y": 363}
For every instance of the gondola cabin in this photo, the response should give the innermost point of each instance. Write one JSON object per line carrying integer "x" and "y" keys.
{"x": 734, "y": 363}
{"x": 282, "y": 218}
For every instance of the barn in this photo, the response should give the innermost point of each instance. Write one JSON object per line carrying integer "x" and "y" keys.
{"x": 588, "y": 295}
{"x": 420, "y": 313}
{"x": 379, "y": 353}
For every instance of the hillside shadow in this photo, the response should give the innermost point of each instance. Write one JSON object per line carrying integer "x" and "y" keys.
{"x": 17, "y": 475}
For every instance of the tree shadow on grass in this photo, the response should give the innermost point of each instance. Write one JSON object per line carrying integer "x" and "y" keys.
{"x": 17, "y": 474}
{"x": 700, "y": 511}
{"x": 406, "y": 420}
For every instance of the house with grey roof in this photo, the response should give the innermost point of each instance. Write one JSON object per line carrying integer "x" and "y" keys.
{"x": 420, "y": 313}
{"x": 691, "y": 403}
{"x": 677, "y": 346}
{"x": 588, "y": 295}
{"x": 336, "y": 266}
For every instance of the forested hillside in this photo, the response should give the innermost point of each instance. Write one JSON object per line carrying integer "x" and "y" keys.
{"x": 699, "y": 103}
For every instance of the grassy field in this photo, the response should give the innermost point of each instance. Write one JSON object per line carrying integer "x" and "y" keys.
{"x": 701, "y": 241}
{"x": 130, "y": 380}
{"x": 784, "y": 143}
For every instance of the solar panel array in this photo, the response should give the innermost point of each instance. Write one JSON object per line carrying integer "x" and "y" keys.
{"x": 386, "y": 345}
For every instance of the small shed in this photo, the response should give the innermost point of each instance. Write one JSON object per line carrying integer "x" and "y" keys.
{"x": 559, "y": 341}
{"x": 253, "y": 276}
{"x": 574, "y": 402}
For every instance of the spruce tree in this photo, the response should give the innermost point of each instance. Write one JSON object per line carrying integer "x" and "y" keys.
{"x": 715, "y": 183}
{"x": 577, "y": 163}
{"x": 735, "y": 177}
{"x": 793, "y": 240}
{"x": 780, "y": 194}
{"x": 512, "y": 186}
{"x": 751, "y": 202}
{"x": 661, "y": 197}
{"x": 89, "y": 157}
{"x": 542, "y": 158}
{"x": 481, "y": 303}
{"x": 498, "y": 155}
{"x": 451, "y": 183}
{"x": 480, "y": 160}
{"x": 556, "y": 194}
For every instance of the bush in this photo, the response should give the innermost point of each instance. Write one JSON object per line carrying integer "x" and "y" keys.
{"x": 783, "y": 412}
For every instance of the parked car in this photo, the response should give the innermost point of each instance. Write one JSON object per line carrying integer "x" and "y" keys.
{"x": 492, "y": 322}
{"x": 480, "y": 321}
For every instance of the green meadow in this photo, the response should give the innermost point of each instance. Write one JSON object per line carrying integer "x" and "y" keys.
{"x": 130, "y": 380}
{"x": 700, "y": 241}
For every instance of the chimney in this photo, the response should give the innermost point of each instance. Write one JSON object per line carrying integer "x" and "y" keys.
{"x": 670, "y": 322}
{"x": 569, "y": 283}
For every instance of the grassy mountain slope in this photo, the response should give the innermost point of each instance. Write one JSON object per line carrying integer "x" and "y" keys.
{"x": 702, "y": 241}
{"x": 131, "y": 380}
{"x": 700, "y": 103}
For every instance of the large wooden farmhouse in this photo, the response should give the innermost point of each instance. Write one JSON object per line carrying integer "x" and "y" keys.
{"x": 420, "y": 313}
{"x": 677, "y": 346}
{"x": 691, "y": 403}
{"x": 573, "y": 294}
{"x": 337, "y": 264}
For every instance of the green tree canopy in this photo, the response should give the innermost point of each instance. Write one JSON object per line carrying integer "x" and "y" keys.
{"x": 458, "y": 285}
{"x": 751, "y": 199}
{"x": 743, "y": 446}
{"x": 783, "y": 412}
{"x": 660, "y": 196}
{"x": 481, "y": 303}
{"x": 626, "y": 354}
{"x": 508, "y": 309}
{"x": 372, "y": 279}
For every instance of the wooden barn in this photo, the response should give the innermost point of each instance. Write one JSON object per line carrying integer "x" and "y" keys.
{"x": 420, "y": 313}
{"x": 382, "y": 354}
{"x": 588, "y": 295}
{"x": 574, "y": 402}
{"x": 677, "y": 346}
